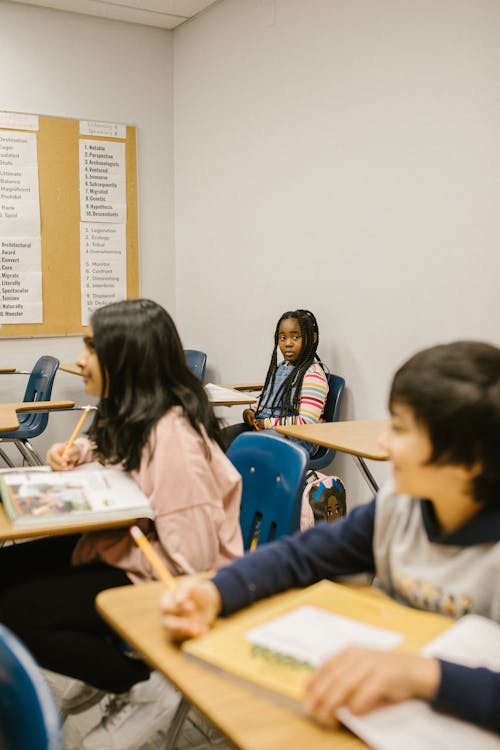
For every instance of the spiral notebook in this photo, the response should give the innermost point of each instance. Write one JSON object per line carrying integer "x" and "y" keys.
{"x": 275, "y": 648}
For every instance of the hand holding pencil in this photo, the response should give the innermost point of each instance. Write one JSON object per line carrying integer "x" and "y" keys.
{"x": 64, "y": 456}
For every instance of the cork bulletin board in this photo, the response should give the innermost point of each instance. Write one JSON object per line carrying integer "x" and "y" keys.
{"x": 59, "y": 189}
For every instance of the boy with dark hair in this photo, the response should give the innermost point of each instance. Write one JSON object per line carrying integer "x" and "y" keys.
{"x": 431, "y": 537}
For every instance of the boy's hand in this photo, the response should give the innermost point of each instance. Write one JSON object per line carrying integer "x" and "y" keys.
{"x": 58, "y": 461}
{"x": 362, "y": 679}
{"x": 191, "y": 609}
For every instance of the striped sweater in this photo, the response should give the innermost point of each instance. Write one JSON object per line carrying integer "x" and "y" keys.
{"x": 312, "y": 397}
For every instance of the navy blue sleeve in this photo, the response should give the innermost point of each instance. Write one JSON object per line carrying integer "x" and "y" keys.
{"x": 326, "y": 551}
{"x": 471, "y": 694}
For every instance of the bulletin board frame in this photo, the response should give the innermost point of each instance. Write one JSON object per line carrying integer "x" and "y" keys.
{"x": 59, "y": 186}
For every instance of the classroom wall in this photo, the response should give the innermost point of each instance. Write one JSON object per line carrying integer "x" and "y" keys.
{"x": 340, "y": 155}
{"x": 68, "y": 65}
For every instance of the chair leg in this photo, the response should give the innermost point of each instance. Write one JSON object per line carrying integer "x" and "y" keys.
{"x": 176, "y": 725}
{"x": 6, "y": 458}
{"x": 28, "y": 452}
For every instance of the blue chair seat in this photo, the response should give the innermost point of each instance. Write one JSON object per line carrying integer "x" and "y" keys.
{"x": 29, "y": 717}
{"x": 32, "y": 424}
{"x": 273, "y": 470}
{"x": 324, "y": 456}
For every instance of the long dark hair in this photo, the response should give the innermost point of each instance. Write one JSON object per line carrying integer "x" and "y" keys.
{"x": 287, "y": 398}
{"x": 453, "y": 391}
{"x": 144, "y": 375}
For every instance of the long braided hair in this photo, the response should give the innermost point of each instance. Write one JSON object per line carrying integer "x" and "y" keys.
{"x": 316, "y": 336}
{"x": 287, "y": 398}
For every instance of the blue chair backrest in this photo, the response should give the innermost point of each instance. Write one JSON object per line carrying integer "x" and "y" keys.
{"x": 273, "y": 470}
{"x": 325, "y": 456}
{"x": 39, "y": 388}
{"x": 197, "y": 362}
{"x": 29, "y": 717}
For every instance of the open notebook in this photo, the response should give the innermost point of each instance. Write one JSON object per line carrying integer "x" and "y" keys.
{"x": 39, "y": 496}
{"x": 413, "y": 725}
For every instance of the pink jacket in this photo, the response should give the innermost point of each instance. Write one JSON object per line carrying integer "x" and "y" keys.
{"x": 196, "y": 498}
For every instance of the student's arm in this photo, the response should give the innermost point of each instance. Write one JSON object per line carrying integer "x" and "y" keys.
{"x": 325, "y": 551}
{"x": 472, "y": 694}
{"x": 312, "y": 400}
{"x": 196, "y": 502}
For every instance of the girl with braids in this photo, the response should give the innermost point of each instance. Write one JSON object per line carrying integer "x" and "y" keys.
{"x": 154, "y": 420}
{"x": 295, "y": 390}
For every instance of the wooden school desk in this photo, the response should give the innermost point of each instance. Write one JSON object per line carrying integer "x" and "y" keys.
{"x": 359, "y": 438}
{"x": 222, "y": 395}
{"x": 8, "y": 412}
{"x": 71, "y": 368}
{"x": 250, "y": 719}
{"x": 230, "y": 397}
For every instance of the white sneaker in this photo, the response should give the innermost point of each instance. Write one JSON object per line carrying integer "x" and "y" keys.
{"x": 130, "y": 719}
{"x": 80, "y": 697}
{"x": 72, "y": 696}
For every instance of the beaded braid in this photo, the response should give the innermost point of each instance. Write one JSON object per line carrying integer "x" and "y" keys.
{"x": 316, "y": 331}
{"x": 283, "y": 398}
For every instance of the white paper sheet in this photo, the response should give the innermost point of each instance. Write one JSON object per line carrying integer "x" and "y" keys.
{"x": 102, "y": 182}
{"x": 413, "y": 725}
{"x": 310, "y": 634}
{"x": 103, "y": 266}
{"x": 20, "y": 242}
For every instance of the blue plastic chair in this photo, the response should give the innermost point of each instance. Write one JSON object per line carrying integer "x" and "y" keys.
{"x": 324, "y": 456}
{"x": 29, "y": 717}
{"x": 197, "y": 362}
{"x": 32, "y": 424}
{"x": 273, "y": 471}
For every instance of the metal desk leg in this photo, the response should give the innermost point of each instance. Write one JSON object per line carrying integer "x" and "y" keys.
{"x": 367, "y": 475}
{"x": 176, "y": 725}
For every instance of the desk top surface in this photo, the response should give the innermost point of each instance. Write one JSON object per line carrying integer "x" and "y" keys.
{"x": 250, "y": 719}
{"x": 8, "y": 412}
{"x": 71, "y": 368}
{"x": 246, "y": 716}
{"x": 224, "y": 395}
{"x": 358, "y": 437}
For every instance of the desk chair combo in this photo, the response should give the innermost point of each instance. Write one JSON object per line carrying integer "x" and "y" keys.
{"x": 29, "y": 717}
{"x": 32, "y": 424}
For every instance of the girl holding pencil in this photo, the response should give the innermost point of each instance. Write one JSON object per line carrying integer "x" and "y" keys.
{"x": 154, "y": 420}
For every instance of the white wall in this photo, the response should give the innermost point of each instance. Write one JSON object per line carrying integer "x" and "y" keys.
{"x": 68, "y": 65}
{"x": 340, "y": 155}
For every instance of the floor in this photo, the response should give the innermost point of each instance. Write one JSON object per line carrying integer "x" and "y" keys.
{"x": 197, "y": 733}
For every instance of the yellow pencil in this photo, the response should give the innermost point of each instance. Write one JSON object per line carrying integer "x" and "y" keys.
{"x": 149, "y": 552}
{"x": 77, "y": 429}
